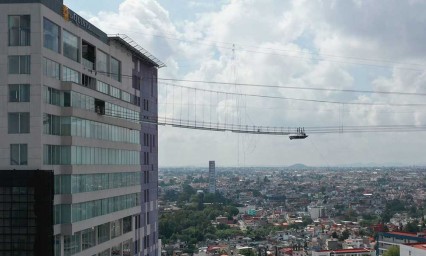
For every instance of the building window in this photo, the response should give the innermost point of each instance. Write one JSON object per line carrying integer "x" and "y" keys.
{"x": 72, "y": 244}
{"x": 114, "y": 92}
{"x": 105, "y": 253}
{"x": 19, "y": 122}
{"x": 125, "y": 96}
{"x": 51, "y": 33}
{"x": 88, "y": 237}
{"x": 19, "y": 30}
{"x": 19, "y": 92}
{"x": 103, "y": 233}
{"x": 88, "y": 55}
{"x": 127, "y": 224}
{"x": 19, "y": 64}
{"x": 70, "y": 46}
{"x": 146, "y": 242}
{"x": 116, "y": 250}
{"x": 115, "y": 69}
{"x": 102, "y": 87}
{"x": 51, "y": 69}
{"x": 18, "y": 154}
{"x": 127, "y": 248}
{"x": 102, "y": 63}
{"x": 70, "y": 75}
{"x": 146, "y": 195}
{"x": 88, "y": 81}
{"x": 116, "y": 228}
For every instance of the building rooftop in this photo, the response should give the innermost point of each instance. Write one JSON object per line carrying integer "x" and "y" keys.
{"x": 356, "y": 250}
{"x": 136, "y": 49}
{"x": 399, "y": 233}
{"x": 421, "y": 246}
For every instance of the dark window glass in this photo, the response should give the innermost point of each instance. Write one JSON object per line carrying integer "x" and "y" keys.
{"x": 116, "y": 69}
{"x": 18, "y": 154}
{"x": 70, "y": 46}
{"x": 51, "y": 35}
{"x": 19, "y": 92}
{"x": 19, "y": 123}
{"x": 102, "y": 63}
{"x": 51, "y": 69}
{"x": 19, "y": 30}
{"x": 19, "y": 64}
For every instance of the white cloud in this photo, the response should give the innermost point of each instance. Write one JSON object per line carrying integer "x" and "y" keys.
{"x": 362, "y": 45}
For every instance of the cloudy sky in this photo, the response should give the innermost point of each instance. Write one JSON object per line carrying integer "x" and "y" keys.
{"x": 340, "y": 45}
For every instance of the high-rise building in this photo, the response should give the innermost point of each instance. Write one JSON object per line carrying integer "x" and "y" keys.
{"x": 212, "y": 177}
{"x": 79, "y": 103}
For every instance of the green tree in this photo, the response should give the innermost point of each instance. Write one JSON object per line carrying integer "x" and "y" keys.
{"x": 412, "y": 226}
{"x": 392, "y": 251}
{"x": 247, "y": 252}
{"x": 345, "y": 235}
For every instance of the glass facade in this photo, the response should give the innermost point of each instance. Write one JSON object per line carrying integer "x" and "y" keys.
{"x": 51, "y": 69}
{"x": 70, "y": 46}
{"x": 116, "y": 250}
{"x": 19, "y": 30}
{"x": 21, "y": 229}
{"x": 78, "y": 100}
{"x": 57, "y": 97}
{"x": 67, "y": 184}
{"x": 74, "y": 126}
{"x": 114, "y": 92}
{"x": 19, "y": 92}
{"x": 77, "y": 155}
{"x": 121, "y": 112}
{"x": 115, "y": 69}
{"x": 116, "y": 228}
{"x": 88, "y": 238}
{"x": 51, "y": 35}
{"x": 19, "y": 64}
{"x": 65, "y": 213}
{"x": 18, "y": 154}
{"x": 72, "y": 244}
{"x": 18, "y": 122}
{"x": 70, "y": 75}
{"x": 102, "y": 63}
{"x": 93, "y": 236}
{"x": 125, "y": 96}
{"x": 102, "y": 87}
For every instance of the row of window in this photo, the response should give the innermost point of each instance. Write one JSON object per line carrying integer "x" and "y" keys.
{"x": 74, "y": 126}
{"x": 70, "y": 213}
{"x": 78, "y": 100}
{"x": 19, "y": 28}
{"x": 67, "y": 184}
{"x": 90, "y": 237}
{"x": 21, "y": 64}
{"x": 92, "y": 58}
{"x": 77, "y": 155}
{"x": 53, "y": 69}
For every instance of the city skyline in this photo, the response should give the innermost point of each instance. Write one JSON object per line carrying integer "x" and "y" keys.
{"x": 350, "y": 45}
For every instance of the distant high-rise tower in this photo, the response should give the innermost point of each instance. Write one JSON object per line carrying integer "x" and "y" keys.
{"x": 212, "y": 177}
